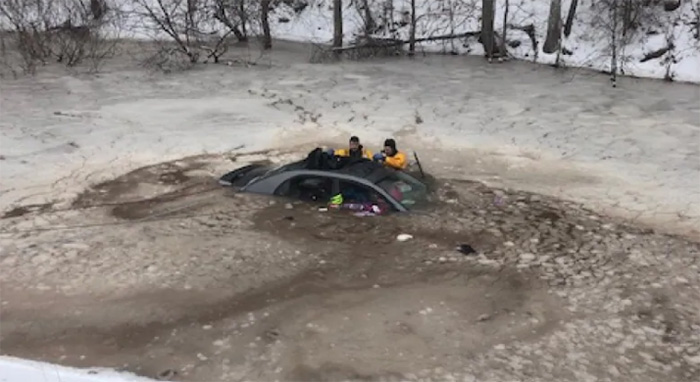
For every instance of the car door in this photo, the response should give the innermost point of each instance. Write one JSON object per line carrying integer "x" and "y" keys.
{"x": 355, "y": 192}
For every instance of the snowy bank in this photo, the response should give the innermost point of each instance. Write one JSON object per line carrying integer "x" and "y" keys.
{"x": 20, "y": 370}
{"x": 664, "y": 44}
{"x": 654, "y": 39}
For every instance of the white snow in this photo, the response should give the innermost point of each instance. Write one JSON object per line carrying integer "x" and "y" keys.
{"x": 20, "y": 370}
{"x": 589, "y": 46}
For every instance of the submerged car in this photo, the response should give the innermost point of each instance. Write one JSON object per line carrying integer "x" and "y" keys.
{"x": 357, "y": 181}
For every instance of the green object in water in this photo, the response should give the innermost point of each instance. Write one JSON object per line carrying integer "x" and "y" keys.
{"x": 337, "y": 199}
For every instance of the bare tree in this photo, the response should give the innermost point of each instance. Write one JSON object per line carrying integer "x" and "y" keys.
{"x": 553, "y": 39}
{"x": 243, "y": 15}
{"x": 188, "y": 24}
{"x": 614, "y": 47}
{"x": 694, "y": 20}
{"x": 337, "y": 23}
{"x": 233, "y": 15}
{"x": 504, "y": 33}
{"x": 98, "y": 9}
{"x": 619, "y": 23}
{"x": 388, "y": 15}
{"x": 570, "y": 17}
{"x": 174, "y": 18}
{"x": 412, "y": 32}
{"x": 265, "y": 16}
{"x": 368, "y": 19}
{"x": 488, "y": 36}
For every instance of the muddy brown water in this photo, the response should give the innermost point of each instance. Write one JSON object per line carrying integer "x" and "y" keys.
{"x": 365, "y": 272}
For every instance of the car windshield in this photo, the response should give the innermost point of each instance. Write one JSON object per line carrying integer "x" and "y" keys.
{"x": 407, "y": 190}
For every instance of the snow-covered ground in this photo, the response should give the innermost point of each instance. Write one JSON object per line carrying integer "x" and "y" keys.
{"x": 588, "y": 45}
{"x": 20, "y": 370}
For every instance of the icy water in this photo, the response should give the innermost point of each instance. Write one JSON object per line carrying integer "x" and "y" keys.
{"x": 158, "y": 273}
{"x": 632, "y": 151}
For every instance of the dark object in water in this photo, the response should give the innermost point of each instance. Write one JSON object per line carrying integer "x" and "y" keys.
{"x": 422, "y": 174}
{"x": 167, "y": 375}
{"x": 466, "y": 249}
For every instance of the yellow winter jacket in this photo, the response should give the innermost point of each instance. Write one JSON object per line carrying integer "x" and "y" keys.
{"x": 398, "y": 161}
{"x": 346, "y": 153}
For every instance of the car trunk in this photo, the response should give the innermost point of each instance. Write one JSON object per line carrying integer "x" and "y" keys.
{"x": 241, "y": 176}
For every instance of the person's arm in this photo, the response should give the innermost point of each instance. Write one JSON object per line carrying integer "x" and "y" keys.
{"x": 341, "y": 153}
{"x": 368, "y": 154}
{"x": 398, "y": 161}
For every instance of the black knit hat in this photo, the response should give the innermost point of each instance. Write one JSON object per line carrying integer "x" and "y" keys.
{"x": 354, "y": 139}
{"x": 391, "y": 143}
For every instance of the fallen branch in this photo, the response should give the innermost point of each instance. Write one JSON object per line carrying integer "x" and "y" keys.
{"x": 381, "y": 42}
{"x": 656, "y": 54}
{"x": 449, "y": 36}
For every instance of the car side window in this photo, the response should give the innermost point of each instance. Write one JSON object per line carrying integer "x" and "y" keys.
{"x": 308, "y": 188}
{"x": 358, "y": 193}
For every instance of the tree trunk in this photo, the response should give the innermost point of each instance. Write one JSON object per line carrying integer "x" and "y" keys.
{"x": 337, "y": 23}
{"x": 570, "y": 18}
{"x": 98, "y": 8}
{"x": 613, "y": 41}
{"x": 265, "y": 13}
{"x": 191, "y": 10}
{"x": 239, "y": 35}
{"x": 553, "y": 39}
{"x": 369, "y": 21}
{"x": 452, "y": 27}
{"x": 488, "y": 39}
{"x": 504, "y": 35}
{"x": 244, "y": 20}
{"x": 412, "y": 35}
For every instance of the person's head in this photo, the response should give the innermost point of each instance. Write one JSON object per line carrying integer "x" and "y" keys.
{"x": 354, "y": 143}
{"x": 390, "y": 147}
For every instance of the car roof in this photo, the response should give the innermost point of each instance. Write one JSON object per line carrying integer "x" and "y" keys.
{"x": 368, "y": 170}
{"x": 371, "y": 171}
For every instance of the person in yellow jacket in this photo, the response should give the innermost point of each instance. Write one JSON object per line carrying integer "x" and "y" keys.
{"x": 355, "y": 149}
{"x": 391, "y": 157}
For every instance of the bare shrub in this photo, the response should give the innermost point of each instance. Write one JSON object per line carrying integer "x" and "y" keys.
{"x": 67, "y": 31}
{"x": 199, "y": 30}
{"x": 167, "y": 59}
{"x": 180, "y": 20}
{"x": 321, "y": 54}
{"x": 27, "y": 43}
